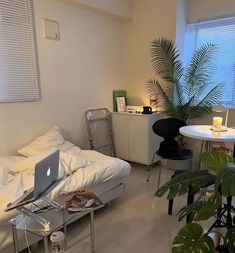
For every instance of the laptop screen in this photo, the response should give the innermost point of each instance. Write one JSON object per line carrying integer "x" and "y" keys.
{"x": 46, "y": 173}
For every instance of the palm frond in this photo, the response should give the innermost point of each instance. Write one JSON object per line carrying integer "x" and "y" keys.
{"x": 187, "y": 96}
{"x": 165, "y": 60}
{"x": 203, "y": 107}
{"x": 186, "y": 111}
{"x": 200, "y": 68}
{"x": 160, "y": 95}
{"x": 179, "y": 95}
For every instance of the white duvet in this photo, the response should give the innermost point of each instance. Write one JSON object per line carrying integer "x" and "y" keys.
{"x": 78, "y": 168}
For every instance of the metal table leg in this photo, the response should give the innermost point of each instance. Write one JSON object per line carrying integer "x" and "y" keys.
{"x": 159, "y": 175}
{"x": 92, "y": 231}
{"x": 151, "y": 166}
{"x": 45, "y": 242}
{"x": 234, "y": 150}
{"x": 65, "y": 230}
{"x": 15, "y": 239}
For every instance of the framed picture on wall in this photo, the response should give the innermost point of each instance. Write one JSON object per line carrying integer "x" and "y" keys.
{"x": 121, "y": 104}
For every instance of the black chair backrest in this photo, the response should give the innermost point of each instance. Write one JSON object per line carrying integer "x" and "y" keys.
{"x": 168, "y": 129}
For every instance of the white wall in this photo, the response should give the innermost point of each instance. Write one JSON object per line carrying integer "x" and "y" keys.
{"x": 95, "y": 55}
{"x": 209, "y": 9}
{"x": 77, "y": 73}
{"x": 151, "y": 19}
{"x": 117, "y": 8}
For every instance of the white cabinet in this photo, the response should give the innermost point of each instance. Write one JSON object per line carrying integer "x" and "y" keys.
{"x": 134, "y": 138}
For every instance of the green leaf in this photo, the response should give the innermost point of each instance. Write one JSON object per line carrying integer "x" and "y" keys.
{"x": 175, "y": 189}
{"x": 209, "y": 207}
{"x": 202, "y": 210}
{"x": 191, "y": 210}
{"x": 191, "y": 239}
{"x": 179, "y": 185}
{"x": 215, "y": 161}
{"x": 232, "y": 186}
{"x": 225, "y": 181}
{"x": 229, "y": 240}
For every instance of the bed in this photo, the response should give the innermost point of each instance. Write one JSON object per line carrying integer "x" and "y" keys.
{"x": 77, "y": 169}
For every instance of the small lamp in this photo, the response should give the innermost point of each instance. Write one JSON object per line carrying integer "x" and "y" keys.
{"x": 222, "y": 108}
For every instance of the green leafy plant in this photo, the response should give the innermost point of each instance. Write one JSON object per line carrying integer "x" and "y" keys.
{"x": 192, "y": 238}
{"x": 183, "y": 93}
{"x": 215, "y": 161}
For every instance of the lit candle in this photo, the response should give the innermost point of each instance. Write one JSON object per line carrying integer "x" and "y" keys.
{"x": 217, "y": 123}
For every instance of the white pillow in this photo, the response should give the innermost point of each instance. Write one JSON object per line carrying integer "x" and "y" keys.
{"x": 71, "y": 163}
{"x": 66, "y": 146}
{"x": 46, "y": 143}
{"x": 28, "y": 164}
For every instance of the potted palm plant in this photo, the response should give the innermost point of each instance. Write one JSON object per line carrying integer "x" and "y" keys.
{"x": 179, "y": 92}
{"x": 192, "y": 238}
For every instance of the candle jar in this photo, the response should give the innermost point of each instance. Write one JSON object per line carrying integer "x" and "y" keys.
{"x": 217, "y": 124}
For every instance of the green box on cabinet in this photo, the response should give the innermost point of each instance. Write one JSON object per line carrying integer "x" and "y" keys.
{"x": 117, "y": 93}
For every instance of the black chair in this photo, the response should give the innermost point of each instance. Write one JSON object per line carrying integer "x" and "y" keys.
{"x": 169, "y": 148}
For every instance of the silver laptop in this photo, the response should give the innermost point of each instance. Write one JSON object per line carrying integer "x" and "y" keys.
{"x": 46, "y": 173}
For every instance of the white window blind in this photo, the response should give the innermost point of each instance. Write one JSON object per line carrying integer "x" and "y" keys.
{"x": 220, "y": 32}
{"x": 18, "y": 58}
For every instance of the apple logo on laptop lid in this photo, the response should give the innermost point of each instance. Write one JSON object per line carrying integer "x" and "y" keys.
{"x": 49, "y": 171}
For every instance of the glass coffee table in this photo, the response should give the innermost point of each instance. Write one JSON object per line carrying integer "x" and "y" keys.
{"x": 42, "y": 220}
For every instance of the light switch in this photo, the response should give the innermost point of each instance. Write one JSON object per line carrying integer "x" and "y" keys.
{"x": 51, "y": 29}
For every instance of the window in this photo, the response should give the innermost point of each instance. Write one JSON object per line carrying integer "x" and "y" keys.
{"x": 220, "y": 32}
{"x": 19, "y": 79}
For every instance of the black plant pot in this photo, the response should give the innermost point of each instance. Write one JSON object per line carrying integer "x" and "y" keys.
{"x": 221, "y": 249}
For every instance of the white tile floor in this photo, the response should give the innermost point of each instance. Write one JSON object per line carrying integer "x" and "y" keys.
{"x": 136, "y": 222}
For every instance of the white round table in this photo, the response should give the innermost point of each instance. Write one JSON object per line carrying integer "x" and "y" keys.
{"x": 204, "y": 133}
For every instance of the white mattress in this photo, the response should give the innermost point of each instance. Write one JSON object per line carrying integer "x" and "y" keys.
{"x": 100, "y": 170}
